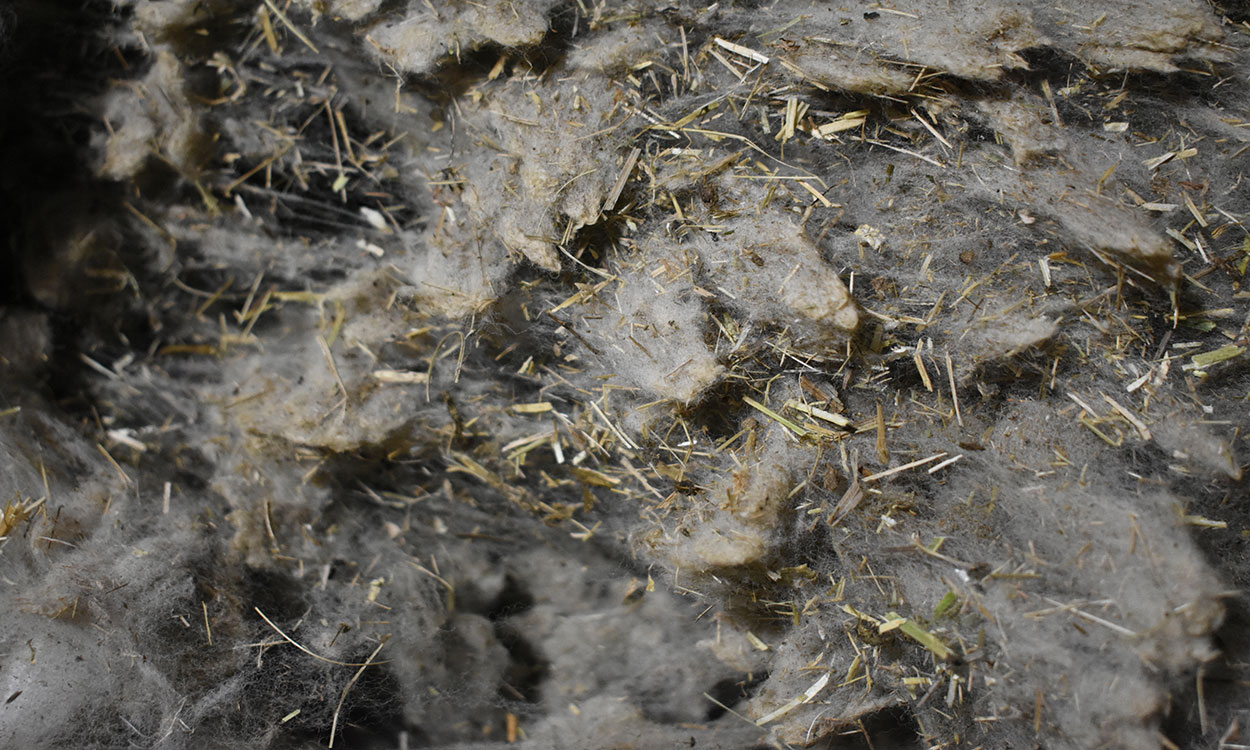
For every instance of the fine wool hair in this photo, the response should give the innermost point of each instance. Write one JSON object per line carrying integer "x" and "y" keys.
{"x": 581, "y": 375}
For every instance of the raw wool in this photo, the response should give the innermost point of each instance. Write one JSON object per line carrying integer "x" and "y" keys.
{"x": 967, "y": 39}
{"x": 554, "y": 178}
{"x": 734, "y": 648}
{"x": 840, "y": 702}
{"x": 417, "y": 42}
{"x": 1194, "y": 443}
{"x": 1010, "y": 338}
{"x": 575, "y": 620}
{"x": 196, "y": 251}
{"x": 604, "y": 721}
{"x": 763, "y": 263}
{"x": 351, "y": 10}
{"x": 432, "y": 647}
{"x": 828, "y": 67}
{"x": 976, "y": 43}
{"x": 619, "y": 47}
{"x": 153, "y": 119}
{"x": 47, "y": 454}
{"x": 449, "y": 280}
{"x": 652, "y": 334}
{"x": 1003, "y": 333}
{"x": 163, "y": 21}
{"x": 1097, "y": 221}
{"x": 212, "y": 672}
{"x": 25, "y": 345}
{"x": 78, "y": 611}
{"x": 542, "y": 171}
{"x": 260, "y": 500}
{"x": 1104, "y": 226}
{"x": 736, "y": 520}
{"x": 982, "y": 41}
{"x": 352, "y": 384}
{"x": 862, "y": 495}
{"x": 772, "y": 273}
{"x": 1026, "y": 123}
{"x": 1145, "y": 614}
{"x": 1140, "y": 34}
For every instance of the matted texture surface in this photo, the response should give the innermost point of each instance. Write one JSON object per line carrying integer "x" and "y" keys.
{"x": 603, "y": 374}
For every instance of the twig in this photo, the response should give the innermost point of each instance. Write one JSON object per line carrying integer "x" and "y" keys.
{"x": 950, "y": 374}
{"x": 287, "y": 22}
{"x": 738, "y": 49}
{"x": 621, "y": 180}
{"x": 945, "y": 463}
{"x": 904, "y": 467}
{"x": 334, "y": 370}
{"x": 311, "y": 653}
{"x": 334, "y": 725}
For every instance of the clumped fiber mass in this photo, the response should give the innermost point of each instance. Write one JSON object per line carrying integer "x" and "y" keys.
{"x": 616, "y": 374}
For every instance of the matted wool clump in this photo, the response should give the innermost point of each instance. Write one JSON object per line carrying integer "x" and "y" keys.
{"x": 455, "y": 374}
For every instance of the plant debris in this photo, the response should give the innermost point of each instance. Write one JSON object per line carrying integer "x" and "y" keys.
{"x": 901, "y": 349}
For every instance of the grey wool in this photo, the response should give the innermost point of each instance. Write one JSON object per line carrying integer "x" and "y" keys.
{"x": 616, "y": 374}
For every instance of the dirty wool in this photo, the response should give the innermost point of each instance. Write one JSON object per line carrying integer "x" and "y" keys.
{"x": 618, "y": 374}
